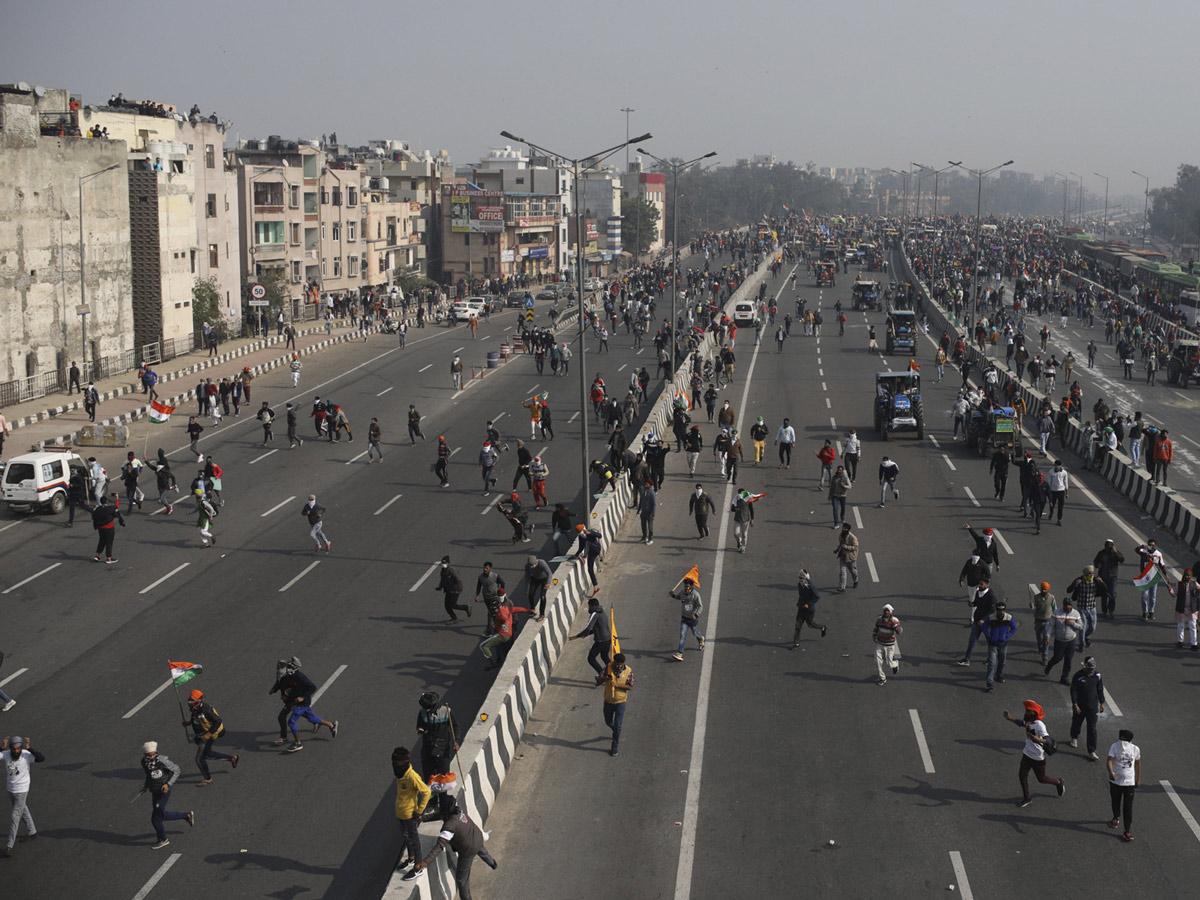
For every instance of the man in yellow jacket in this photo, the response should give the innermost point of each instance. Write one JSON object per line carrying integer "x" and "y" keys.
{"x": 412, "y": 796}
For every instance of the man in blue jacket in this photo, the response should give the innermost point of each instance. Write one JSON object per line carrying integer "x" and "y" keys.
{"x": 998, "y": 629}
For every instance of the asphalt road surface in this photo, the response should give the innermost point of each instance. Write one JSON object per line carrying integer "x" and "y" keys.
{"x": 87, "y": 644}
{"x": 750, "y": 770}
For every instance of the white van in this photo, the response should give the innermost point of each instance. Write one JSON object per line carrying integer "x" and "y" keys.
{"x": 743, "y": 313}
{"x": 36, "y": 481}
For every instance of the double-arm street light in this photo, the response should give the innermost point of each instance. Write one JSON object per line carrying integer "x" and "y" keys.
{"x": 83, "y": 309}
{"x": 980, "y": 174}
{"x": 593, "y": 160}
{"x": 675, "y": 169}
{"x": 1146, "y": 209}
{"x": 1105, "y": 177}
{"x": 935, "y": 173}
{"x": 1079, "y": 215}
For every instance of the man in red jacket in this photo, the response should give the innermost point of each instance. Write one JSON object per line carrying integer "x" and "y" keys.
{"x": 1164, "y": 452}
{"x": 826, "y": 455}
{"x": 502, "y": 631}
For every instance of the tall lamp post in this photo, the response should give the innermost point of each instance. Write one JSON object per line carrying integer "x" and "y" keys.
{"x": 936, "y": 173}
{"x": 980, "y": 174}
{"x": 1105, "y": 177}
{"x": 1079, "y": 207}
{"x": 1146, "y": 209}
{"x": 595, "y": 158}
{"x": 83, "y": 310}
{"x": 675, "y": 169}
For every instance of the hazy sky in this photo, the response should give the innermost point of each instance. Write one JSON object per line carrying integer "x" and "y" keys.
{"x": 1087, "y": 87}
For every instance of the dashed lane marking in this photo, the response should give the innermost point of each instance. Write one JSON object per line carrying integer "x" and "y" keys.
{"x": 427, "y": 368}
{"x": 921, "y": 743}
{"x": 487, "y": 509}
{"x": 13, "y": 676}
{"x": 49, "y": 568}
{"x": 833, "y": 423}
{"x": 421, "y": 580}
{"x": 971, "y": 495}
{"x": 857, "y": 518}
{"x": 312, "y": 565}
{"x": 175, "y": 571}
{"x": 934, "y": 441}
{"x": 13, "y": 524}
{"x": 385, "y": 390}
{"x": 154, "y": 693}
{"x": 157, "y": 876}
{"x": 264, "y": 456}
{"x": 357, "y": 458}
{"x": 946, "y": 457}
{"x": 871, "y": 567}
{"x": 328, "y": 682}
{"x": 386, "y": 505}
{"x": 960, "y": 875}
{"x": 1188, "y": 819}
{"x": 1000, "y": 539}
{"x": 828, "y": 403}
{"x": 277, "y": 507}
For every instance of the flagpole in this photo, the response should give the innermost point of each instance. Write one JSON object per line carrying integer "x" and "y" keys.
{"x": 454, "y": 742}
{"x": 179, "y": 700}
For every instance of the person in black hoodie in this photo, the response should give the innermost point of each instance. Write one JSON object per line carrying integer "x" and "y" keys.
{"x": 77, "y": 494}
{"x": 103, "y": 518}
{"x": 290, "y": 683}
{"x": 981, "y": 608}
{"x": 462, "y": 836}
{"x": 439, "y": 742}
{"x": 806, "y": 607}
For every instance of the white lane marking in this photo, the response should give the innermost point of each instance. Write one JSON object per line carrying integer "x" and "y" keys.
{"x": 946, "y": 457}
{"x": 175, "y": 571}
{"x": 1185, "y": 437}
{"x": 971, "y": 495}
{"x": 459, "y": 350}
{"x": 921, "y": 744}
{"x": 533, "y": 390}
{"x": 624, "y": 366}
{"x": 934, "y": 441}
{"x": 323, "y": 688}
{"x": 278, "y": 507}
{"x": 264, "y": 456}
{"x": 49, "y": 568}
{"x": 386, "y": 505}
{"x": 427, "y": 368}
{"x": 487, "y": 337}
{"x": 154, "y": 693}
{"x": 1112, "y": 704}
{"x": 833, "y": 423}
{"x": 13, "y": 676}
{"x": 821, "y": 372}
{"x": 691, "y": 808}
{"x": 824, "y": 387}
{"x": 1188, "y": 818}
{"x": 1003, "y": 543}
{"x": 1137, "y": 536}
{"x": 871, "y": 567}
{"x": 857, "y": 518}
{"x": 421, "y": 580}
{"x": 157, "y": 876}
{"x": 386, "y": 389}
{"x": 13, "y": 524}
{"x": 452, "y": 452}
{"x": 357, "y": 458}
{"x": 487, "y": 509}
{"x": 312, "y": 565}
{"x": 960, "y": 875}
{"x": 828, "y": 403}
{"x": 497, "y": 418}
{"x": 574, "y": 416}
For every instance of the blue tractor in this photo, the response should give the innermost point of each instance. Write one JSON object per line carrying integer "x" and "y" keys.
{"x": 898, "y": 403}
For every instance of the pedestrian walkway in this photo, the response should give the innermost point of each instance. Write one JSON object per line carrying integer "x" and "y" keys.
{"x": 34, "y": 423}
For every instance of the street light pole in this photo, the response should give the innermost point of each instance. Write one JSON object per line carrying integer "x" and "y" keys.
{"x": 83, "y": 313}
{"x": 583, "y": 386}
{"x": 1079, "y": 205}
{"x": 980, "y": 174}
{"x": 675, "y": 169}
{"x": 1105, "y": 177}
{"x": 936, "y": 173}
{"x": 1146, "y": 210}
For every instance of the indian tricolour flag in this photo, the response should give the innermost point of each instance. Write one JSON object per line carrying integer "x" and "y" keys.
{"x": 183, "y": 672}
{"x": 160, "y": 412}
{"x": 1150, "y": 576}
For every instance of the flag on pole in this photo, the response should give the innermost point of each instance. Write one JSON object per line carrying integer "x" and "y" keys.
{"x": 612, "y": 622}
{"x": 682, "y": 399}
{"x": 183, "y": 672}
{"x": 1150, "y": 576}
{"x": 160, "y": 412}
{"x": 694, "y": 574}
{"x": 750, "y": 498}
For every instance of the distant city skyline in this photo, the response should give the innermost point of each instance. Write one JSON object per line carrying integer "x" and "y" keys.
{"x": 1044, "y": 85}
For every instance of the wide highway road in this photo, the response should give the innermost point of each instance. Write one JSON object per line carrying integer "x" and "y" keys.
{"x": 751, "y": 770}
{"x": 87, "y": 644}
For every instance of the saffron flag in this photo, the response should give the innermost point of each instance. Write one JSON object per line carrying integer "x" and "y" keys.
{"x": 160, "y": 412}
{"x": 183, "y": 672}
{"x": 682, "y": 399}
{"x": 1150, "y": 576}
{"x": 694, "y": 574}
{"x": 612, "y": 623}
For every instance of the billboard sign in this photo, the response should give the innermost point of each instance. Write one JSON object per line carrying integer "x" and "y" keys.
{"x": 475, "y": 212}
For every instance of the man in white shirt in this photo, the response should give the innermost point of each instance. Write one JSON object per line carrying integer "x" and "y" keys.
{"x": 18, "y": 757}
{"x": 1124, "y": 777}
{"x": 1059, "y": 483}
{"x": 1033, "y": 756}
{"x": 785, "y": 437}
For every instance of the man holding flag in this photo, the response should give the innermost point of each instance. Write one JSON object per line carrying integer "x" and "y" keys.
{"x": 691, "y": 605}
{"x": 160, "y": 413}
{"x": 1153, "y": 572}
{"x": 618, "y": 682}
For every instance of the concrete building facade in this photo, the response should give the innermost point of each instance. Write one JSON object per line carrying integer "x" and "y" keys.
{"x": 46, "y": 179}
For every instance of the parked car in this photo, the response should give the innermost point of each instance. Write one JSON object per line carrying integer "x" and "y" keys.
{"x": 515, "y": 299}
{"x": 34, "y": 481}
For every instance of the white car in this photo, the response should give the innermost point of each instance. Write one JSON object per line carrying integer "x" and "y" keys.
{"x": 462, "y": 310}
{"x": 593, "y": 284}
{"x": 743, "y": 313}
{"x": 34, "y": 481}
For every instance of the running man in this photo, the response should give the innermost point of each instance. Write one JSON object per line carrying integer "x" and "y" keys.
{"x": 315, "y": 513}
